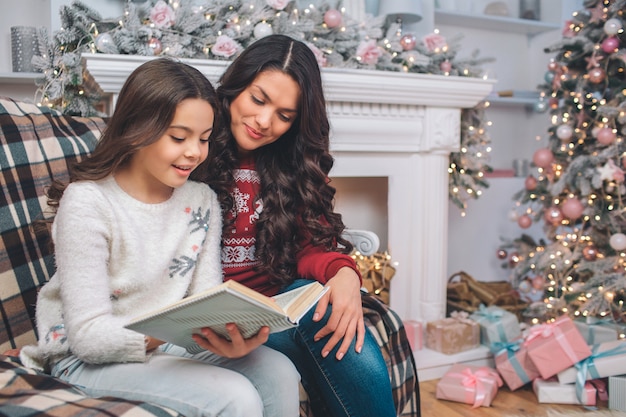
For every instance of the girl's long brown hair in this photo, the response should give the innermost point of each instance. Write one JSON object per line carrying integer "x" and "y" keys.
{"x": 295, "y": 190}
{"x": 145, "y": 108}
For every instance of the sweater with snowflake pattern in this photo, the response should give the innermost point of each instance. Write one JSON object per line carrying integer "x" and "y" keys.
{"x": 239, "y": 243}
{"x": 118, "y": 258}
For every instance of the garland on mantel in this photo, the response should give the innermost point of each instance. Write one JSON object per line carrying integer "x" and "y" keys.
{"x": 220, "y": 29}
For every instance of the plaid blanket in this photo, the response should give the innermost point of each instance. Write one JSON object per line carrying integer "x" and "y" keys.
{"x": 27, "y": 393}
{"x": 36, "y": 145}
{"x": 387, "y": 328}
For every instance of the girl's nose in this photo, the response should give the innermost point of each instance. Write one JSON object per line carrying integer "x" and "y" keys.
{"x": 193, "y": 150}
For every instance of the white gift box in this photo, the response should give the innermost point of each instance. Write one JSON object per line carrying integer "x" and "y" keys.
{"x": 606, "y": 359}
{"x": 617, "y": 392}
{"x": 552, "y": 392}
{"x": 496, "y": 325}
{"x": 596, "y": 333}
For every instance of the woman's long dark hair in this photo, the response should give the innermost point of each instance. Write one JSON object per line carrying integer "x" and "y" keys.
{"x": 145, "y": 108}
{"x": 295, "y": 190}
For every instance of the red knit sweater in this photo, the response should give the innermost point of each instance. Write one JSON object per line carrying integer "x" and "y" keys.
{"x": 238, "y": 251}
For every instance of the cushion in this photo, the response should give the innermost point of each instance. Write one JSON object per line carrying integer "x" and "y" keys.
{"x": 36, "y": 145}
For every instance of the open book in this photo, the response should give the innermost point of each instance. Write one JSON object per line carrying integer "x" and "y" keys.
{"x": 230, "y": 302}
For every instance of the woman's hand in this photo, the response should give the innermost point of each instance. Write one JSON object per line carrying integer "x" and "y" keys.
{"x": 346, "y": 319}
{"x": 236, "y": 347}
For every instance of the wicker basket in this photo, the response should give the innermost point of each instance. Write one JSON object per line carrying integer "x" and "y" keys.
{"x": 467, "y": 294}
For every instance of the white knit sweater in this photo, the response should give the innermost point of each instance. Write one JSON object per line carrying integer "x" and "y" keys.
{"x": 117, "y": 258}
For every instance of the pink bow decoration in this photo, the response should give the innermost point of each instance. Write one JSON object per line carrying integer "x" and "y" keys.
{"x": 552, "y": 329}
{"x": 474, "y": 383}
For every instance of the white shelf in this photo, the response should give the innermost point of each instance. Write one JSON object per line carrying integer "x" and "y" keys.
{"x": 19, "y": 77}
{"x": 519, "y": 98}
{"x": 503, "y": 24}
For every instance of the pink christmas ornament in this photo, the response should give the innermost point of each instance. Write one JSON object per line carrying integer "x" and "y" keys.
{"x": 590, "y": 252}
{"x": 543, "y": 157}
{"x": 553, "y": 215}
{"x": 605, "y": 136}
{"x": 610, "y": 45}
{"x": 333, "y": 18}
{"x": 524, "y": 221}
{"x": 502, "y": 254}
{"x": 572, "y": 208}
{"x": 408, "y": 41}
{"x": 155, "y": 45}
{"x": 552, "y": 65}
{"x": 596, "y": 75}
{"x": 445, "y": 66}
{"x": 530, "y": 183}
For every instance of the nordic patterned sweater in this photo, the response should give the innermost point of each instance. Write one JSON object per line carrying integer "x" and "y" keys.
{"x": 238, "y": 243}
{"x": 117, "y": 258}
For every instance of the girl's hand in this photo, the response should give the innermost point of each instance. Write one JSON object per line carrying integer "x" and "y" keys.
{"x": 152, "y": 343}
{"x": 236, "y": 347}
{"x": 346, "y": 319}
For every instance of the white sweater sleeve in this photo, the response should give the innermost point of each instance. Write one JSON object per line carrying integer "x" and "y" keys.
{"x": 81, "y": 237}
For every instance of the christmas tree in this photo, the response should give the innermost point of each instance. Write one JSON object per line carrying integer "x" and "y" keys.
{"x": 577, "y": 192}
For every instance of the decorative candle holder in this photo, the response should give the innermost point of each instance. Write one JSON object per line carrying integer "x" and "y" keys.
{"x": 24, "y": 48}
{"x": 530, "y": 9}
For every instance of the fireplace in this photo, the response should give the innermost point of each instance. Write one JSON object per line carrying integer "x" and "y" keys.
{"x": 384, "y": 124}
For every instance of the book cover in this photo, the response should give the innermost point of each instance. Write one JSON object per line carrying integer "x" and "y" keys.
{"x": 230, "y": 302}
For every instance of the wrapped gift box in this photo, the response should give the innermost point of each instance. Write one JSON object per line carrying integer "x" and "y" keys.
{"x": 414, "y": 332}
{"x": 551, "y": 391}
{"x": 606, "y": 359}
{"x": 617, "y": 392}
{"x": 453, "y": 334}
{"x": 555, "y": 346}
{"x": 476, "y": 385}
{"x": 595, "y": 332}
{"x": 496, "y": 325}
{"x": 513, "y": 364}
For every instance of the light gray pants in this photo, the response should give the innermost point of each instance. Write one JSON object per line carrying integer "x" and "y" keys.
{"x": 264, "y": 383}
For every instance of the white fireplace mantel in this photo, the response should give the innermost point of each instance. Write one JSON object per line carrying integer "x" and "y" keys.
{"x": 384, "y": 124}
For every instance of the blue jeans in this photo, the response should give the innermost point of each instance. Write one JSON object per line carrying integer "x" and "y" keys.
{"x": 358, "y": 385}
{"x": 263, "y": 383}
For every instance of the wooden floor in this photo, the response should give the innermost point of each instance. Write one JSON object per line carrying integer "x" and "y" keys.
{"x": 521, "y": 402}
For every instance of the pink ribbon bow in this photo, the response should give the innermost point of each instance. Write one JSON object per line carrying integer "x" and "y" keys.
{"x": 474, "y": 383}
{"x": 552, "y": 329}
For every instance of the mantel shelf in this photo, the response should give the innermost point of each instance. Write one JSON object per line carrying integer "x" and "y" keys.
{"x": 503, "y": 24}
{"x": 19, "y": 77}
{"x": 347, "y": 85}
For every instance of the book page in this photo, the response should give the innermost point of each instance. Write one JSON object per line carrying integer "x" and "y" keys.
{"x": 298, "y": 301}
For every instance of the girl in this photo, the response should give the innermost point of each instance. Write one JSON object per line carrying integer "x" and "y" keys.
{"x": 270, "y": 170}
{"x": 131, "y": 235}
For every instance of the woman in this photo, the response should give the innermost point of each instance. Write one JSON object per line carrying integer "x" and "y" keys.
{"x": 270, "y": 171}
